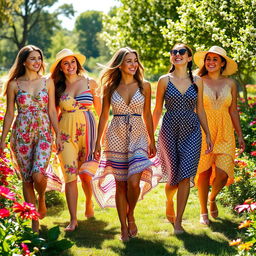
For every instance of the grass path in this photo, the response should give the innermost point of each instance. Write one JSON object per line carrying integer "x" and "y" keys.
{"x": 100, "y": 236}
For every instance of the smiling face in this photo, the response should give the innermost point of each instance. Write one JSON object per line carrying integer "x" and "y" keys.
{"x": 213, "y": 62}
{"x": 33, "y": 61}
{"x": 179, "y": 55}
{"x": 130, "y": 64}
{"x": 68, "y": 65}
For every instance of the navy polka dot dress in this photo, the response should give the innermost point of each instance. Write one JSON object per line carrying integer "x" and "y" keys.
{"x": 179, "y": 141}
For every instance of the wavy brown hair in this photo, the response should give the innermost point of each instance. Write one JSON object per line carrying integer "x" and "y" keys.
{"x": 203, "y": 71}
{"x": 59, "y": 79}
{"x": 18, "y": 69}
{"x": 111, "y": 74}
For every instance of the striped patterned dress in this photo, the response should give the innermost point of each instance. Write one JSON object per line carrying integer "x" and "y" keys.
{"x": 78, "y": 133}
{"x": 125, "y": 151}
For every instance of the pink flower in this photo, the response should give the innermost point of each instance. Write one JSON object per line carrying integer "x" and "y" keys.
{"x": 26, "y": 210}
{"x": 4, "y": 213}
{"x": 252, "y": 123}
{"x": 249, "y": 207}
{"x": 24, "y": 149}
{"x": 44, "y": 145}
{"x": 64, "y": 137}
{"x": 22, "y": 99}
{"x": 26, "y": 137}
{"x": 6, "y": 193}
{"x": 78, "y": 132}
{"x": 25, "y": 249}
{"x": 45, "y": 99}
{"x": 253, "y": 153}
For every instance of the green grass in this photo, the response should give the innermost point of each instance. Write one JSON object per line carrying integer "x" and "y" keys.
{"x": 100, "y": 236}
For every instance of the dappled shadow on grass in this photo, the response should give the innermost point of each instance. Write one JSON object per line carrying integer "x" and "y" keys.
{"x": 224, "y": 226}
{"x": 90, "y": 233}
{"x": 203, "y": 244}
{"x": 142, "y": 247}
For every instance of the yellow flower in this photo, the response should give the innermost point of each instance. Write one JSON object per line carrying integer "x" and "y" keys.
{"x": 235, "y": 242}
{"x": 239, "y": 178}
{"x": 245, "y": 224}
{"x": 246, "y": 246}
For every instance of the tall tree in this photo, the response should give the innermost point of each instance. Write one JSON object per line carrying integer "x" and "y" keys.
{"x": 88, "y": 25}
{"x": 25, "y": 19}
{"x": 137, "y": 23}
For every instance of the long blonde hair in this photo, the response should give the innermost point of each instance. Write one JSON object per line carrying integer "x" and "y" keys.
{"x": 111, "y": 74}
{"x": 18, "y": 69}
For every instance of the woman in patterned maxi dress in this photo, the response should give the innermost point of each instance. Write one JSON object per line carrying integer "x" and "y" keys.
{"x": 75, "y": 95}
{"x": 31, "y": 133}
{"x": 125, "y": 173}
{"x": 179, "y": 141}
{"x": 220, "y": 97}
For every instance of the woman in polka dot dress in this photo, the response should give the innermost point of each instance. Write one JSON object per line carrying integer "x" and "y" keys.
{"x": 179, "y": 141}
{"x": 125, "y": 173}
{"x": 220, "y": 94}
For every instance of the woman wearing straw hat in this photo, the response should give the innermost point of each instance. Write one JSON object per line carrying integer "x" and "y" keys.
{"x": 179, "y": 141}
{"x": 220, "y": 102}
{"x": 75, "y": 95}
{"x": 31, "y": 140}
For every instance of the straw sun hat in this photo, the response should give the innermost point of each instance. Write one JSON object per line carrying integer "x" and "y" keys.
{"x": 231, "y": 66}
{"x": 65, "y": 53}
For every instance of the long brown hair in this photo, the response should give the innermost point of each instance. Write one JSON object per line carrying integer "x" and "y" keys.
{"x": 111, "y": 74}
{"x": 59, "y": 79}
{"x": 190, "y": 63}
{"x": 18, "y": 69}
{"x": 203, "y": 71}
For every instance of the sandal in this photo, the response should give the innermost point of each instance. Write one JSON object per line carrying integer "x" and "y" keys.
{"x": 170, "y": 213}
{"x": 204, "y": 219}
{"x": 125, "y": 237}
{"x": 214, "y": 213}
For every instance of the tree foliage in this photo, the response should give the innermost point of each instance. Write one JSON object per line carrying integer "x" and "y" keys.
{"x": 88, "y": 25}
{"x": 137, "y": 24}
{"x": 7, "y": 7}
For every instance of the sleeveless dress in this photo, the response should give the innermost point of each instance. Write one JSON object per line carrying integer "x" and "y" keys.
{"x": 125, "y": 151}
{"x": 179, "y": 140}
{"x": 222, "y": 133}
{"x": 31, "y": 139}
{"x": 78, "y": 133}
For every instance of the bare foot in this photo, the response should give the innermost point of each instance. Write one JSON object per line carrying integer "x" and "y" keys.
{"x": 89, "y": 212}
{"x": 132, "y": 228}
{"x": 170, "y": 213}
{"x": 71, "y": 226}
{"x": 41, "y": 207}
{"x": 178, "y": 229}
{"x": 124, "y": 235}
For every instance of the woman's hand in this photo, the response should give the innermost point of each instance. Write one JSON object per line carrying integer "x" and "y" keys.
{"x": 209, "y": 144}
{"x": 151, "y": 150}
{"x": 97, "y": 152}
{"x": 241, "y": 144}
{"x": 59, "y": 144}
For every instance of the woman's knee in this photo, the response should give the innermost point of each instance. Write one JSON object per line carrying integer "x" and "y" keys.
{"x": 221, "y": 175}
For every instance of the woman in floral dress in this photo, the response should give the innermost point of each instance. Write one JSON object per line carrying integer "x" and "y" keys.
{"x": 31, "y": 137}
{"x": 75, "y": 95}
{"x": 125, "y": 173}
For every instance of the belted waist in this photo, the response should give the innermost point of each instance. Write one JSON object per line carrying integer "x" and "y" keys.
{"x": 75, "y": 110}
{"x": 127, "y": 116}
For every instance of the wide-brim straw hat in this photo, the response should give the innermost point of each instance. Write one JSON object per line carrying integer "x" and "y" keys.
{"x": 66, "y": 53}
{"x": 231, "y": 66}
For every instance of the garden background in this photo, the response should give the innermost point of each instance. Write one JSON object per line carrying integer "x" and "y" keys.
{"x": 151, "y": 27}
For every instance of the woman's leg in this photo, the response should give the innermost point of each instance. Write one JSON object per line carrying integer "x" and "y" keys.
{"x": 170, "y": 192}
{"x": 218, "y": 183}
{"x": 182, "y": 197}
{"x": 203, "y": 191}
{"x": 121, "y": 205}
{"x": 40, "y": 183}
{"x": 29, "y": 196}
{"x": 71, "y": 197}
{"x": 133, "y": 193}
{"x": 87, "y": 187}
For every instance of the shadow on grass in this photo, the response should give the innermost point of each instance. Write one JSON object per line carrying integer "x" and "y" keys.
{"x": 143, "y": 247}
{"x": 196, "y": 244}
{"x": 56, "y": 210}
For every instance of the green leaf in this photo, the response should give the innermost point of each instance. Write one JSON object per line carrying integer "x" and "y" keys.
{"x": 53, "y": 233}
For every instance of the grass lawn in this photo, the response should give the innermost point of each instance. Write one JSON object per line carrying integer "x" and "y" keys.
{"x": 100, "y": 235}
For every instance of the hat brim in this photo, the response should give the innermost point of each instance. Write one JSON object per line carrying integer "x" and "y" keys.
{"x": 80, "y": 58}
{"x": 231, "y": 66}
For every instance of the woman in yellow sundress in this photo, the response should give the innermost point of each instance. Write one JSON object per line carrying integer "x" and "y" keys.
{"x": 75, "y": 95}
{"x": 220, "y": 103}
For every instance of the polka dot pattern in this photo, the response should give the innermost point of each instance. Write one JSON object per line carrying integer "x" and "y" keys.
{"x": 179, "y": 141}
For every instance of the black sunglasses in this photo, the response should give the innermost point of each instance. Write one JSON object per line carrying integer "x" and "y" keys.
{"x": 180, "y": 52}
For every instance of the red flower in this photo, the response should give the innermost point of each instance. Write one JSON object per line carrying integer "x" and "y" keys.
{"x": 252, "y": 123}
{"x": 253, "y": 153}
{"x": 25, "y": 249}
{"x": 6, "y": 193}
{"x": 26, "y": 210}
{"x": 4, "y": 213}
{"x": 254, "y": 143}
{"x": 249, "y": 207}
{"x": 44, "y": 145}
{"x": 22, "y": 99}
{"x": 45, "y": 99}
{"x": 26, "y": 137}
{"x": 5, "y": 170}
{"x": 78, "y": 132}
{"x": 24, "y": 149}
